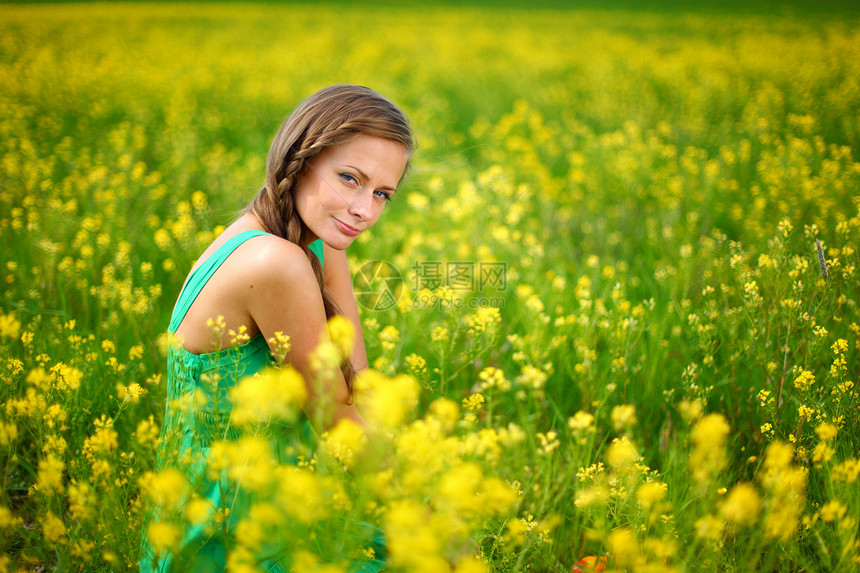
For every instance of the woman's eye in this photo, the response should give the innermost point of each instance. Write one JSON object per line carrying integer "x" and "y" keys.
{"x": 383, "y": 195}
{"x": 349, "y": 178}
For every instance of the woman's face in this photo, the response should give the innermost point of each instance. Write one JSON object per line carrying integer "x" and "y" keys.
{"x": 345, "y": 188}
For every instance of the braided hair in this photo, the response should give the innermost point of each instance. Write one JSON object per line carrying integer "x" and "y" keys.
{"x": 333, "y": 116}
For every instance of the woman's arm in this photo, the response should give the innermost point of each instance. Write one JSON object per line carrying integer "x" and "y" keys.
{"x": 338, "y": 280}
{"x": 283, "y": 296}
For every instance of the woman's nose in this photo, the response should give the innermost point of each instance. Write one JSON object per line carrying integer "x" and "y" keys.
{"x": 361, "y": 205}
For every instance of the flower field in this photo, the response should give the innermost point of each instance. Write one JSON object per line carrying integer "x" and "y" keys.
{"x": 612, "y": 312}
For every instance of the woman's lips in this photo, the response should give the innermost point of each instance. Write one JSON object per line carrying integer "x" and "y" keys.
{"x": 351, "y": 231}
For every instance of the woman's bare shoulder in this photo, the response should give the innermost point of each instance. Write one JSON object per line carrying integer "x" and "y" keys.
{"x": 271, "y": 258}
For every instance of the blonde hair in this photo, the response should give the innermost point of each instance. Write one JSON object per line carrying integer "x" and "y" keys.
{"x": 333, "y": 116}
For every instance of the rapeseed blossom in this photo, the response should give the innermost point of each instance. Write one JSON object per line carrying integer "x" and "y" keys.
{"x": 163, "y": 536}
{"x": 532, "y": 377}
{"x": 651, "y": 493}
{"x": 386, "y": 401}
{"x": 53, "y": 528}
{"x": 274, "y": 394}
{"x": 623, "y": 417}
{"x": 742, "y": 505}
{"x": 493, "y": 378}
{"x": 9, "y": 326}
{"x": 345, "y": 441}
{"x": 342, "y": 334}
{"x": 166, "y": 489}
{"x": 446, "y": 412}
{"x": 247, "y": 461}
{"x": 785, "y": 488}
{"x": 50, "y": 475}
{"x": 709, "y": 439}
{"x": 82, "y": 500}
{"x": 621, "y": 454}
{"x": 581, "y": 422}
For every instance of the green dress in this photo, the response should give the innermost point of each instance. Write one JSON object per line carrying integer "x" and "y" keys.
{"x": 187, "y": 434}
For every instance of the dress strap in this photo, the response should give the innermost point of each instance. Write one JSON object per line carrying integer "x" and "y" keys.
{"x": 201, "y": 275}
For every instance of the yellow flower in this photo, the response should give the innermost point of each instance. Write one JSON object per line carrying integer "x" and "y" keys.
{"x": 131, "y": 393}
{"x": 832, "y": 511}
{"x": 103, "y": 441}
{"x": 389, "y": 337}
{"x": 344, "y": 441}
{"x": 517, "y": 530}
{"x": 198, "y": 511}
{"x": 302, "y": 494}
{"x": 623, "y": 544}
{"x": 623, "y": 417}
{"x": 826, "y": 431}
{"x": 66, "y": 377}
{"x": 40, "y": 379}
{"x": 822, "y": 453}
{"x": 8, "y": 519}
{"x": 709, "y": 527}
{"x": 511, "y": 435}
{"x": 342, "y": 333}
{"x": 581, "y": 422}
{"x": 621, "y": 454}
{"x": 280, "y": 345}
{"x": 166, "y": 488}
{"x": 53, "y": 528}
{"x": 804, "y": 380}
{"x": 471, "y": 565}
{"x": 439, "y": 334}
{"x": 742, "y": 505}
{"x": 473, "y": 402}
{"x": 457, "y": 490}
{"x": 548, "y": 442}
{"x": 163, "y": 536}
{"x": 496, "y": 496}
{"x": 532, "y": 377}
{"x": 147, "y": 432}
{"x": 50, "y": 476}
{"x": 198, "y": 200}
{"x": 651, "y": 493}
{"x": 82, "y": 549}
{"x": 274, "y": 394}
{"x": 588, "y": 496}
{"x": 786, "y": 491}
{"x": 252, "y": 531}
{"x": 446, "y": 411}
{"x": 417, "y": 365}
{"x": 493, "y": 378}
{"x": 8, "y": 433}
{"x": 248, "y": 461}
{"x": 82, "y": 500}
{"x": 847, "y": 471}
{"x": 325, "y": 360}
{"x": 162, "y": 239}
{"x": 709, "y": 438}
{"x": 386, "y": 401}
{"x": 9, "y": 326}
{"x": 483, "y": 319}
{"x": 413, "y": 543}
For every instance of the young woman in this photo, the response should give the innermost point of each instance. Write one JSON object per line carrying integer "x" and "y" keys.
{"x": 333, "y": 165}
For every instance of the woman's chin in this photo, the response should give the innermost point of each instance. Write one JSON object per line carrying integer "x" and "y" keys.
{"x": 338, "y": 243}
